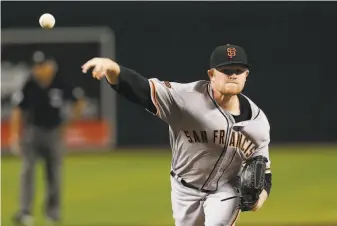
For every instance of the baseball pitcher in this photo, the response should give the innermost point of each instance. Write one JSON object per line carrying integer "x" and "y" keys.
{"x": 219, "y": 137}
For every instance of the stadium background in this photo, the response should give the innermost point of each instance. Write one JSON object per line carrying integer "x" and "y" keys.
{"x": 123, "y": 179}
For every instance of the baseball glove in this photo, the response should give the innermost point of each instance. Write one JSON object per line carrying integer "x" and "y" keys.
{"x": 252, "y": 182}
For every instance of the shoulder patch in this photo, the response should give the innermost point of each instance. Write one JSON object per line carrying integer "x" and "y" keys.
{"x": 168, "y": 84}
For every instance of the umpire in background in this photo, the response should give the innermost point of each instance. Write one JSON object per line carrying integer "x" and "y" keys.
{"x": 38, "y": 108}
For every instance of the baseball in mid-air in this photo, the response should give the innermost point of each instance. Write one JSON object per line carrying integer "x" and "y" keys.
{"x": 47, "y": 20}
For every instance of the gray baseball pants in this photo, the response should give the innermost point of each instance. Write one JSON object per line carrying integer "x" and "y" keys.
{"x": 46, "y": 144}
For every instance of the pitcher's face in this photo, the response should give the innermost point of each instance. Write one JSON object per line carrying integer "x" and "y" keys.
{"x": 229, "y": 80}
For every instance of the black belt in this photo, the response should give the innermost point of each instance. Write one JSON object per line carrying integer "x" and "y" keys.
{"x": 183, "y": 182}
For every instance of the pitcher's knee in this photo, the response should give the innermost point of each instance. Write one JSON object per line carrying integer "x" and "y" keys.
{"x": 194, "y": 219}
{"x": 189, "y": 221}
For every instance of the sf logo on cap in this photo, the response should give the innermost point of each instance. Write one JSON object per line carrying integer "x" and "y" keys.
{"x": 231, "y": 52}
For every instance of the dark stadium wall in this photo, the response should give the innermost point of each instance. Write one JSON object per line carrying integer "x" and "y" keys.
{"x": 291, "y": 45}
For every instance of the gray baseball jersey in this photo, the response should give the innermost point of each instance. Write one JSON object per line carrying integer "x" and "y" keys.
{"x": 208, "y": 147}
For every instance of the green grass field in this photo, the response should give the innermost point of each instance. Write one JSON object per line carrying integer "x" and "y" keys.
{"x": 132, "y": 188}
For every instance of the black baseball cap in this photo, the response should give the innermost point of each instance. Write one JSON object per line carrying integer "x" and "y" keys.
{"x": 229, "y": 55}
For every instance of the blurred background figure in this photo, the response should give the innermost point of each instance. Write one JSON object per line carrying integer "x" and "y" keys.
{"x": 37, "y": 108}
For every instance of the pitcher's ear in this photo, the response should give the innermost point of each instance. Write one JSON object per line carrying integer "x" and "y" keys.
{"x": 210, "y": 73}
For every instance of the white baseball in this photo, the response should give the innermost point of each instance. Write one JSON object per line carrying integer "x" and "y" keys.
{"x": 47, "y": 21}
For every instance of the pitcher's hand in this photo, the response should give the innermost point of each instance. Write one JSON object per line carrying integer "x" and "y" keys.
{"x": 102, "y": 67}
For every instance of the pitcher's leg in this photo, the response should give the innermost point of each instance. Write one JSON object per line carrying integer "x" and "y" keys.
{"x": 186, "y": 205}
{"x": 221, "y": 208}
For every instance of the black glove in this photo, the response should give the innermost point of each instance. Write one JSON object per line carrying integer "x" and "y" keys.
{"x": 252, "y": 182}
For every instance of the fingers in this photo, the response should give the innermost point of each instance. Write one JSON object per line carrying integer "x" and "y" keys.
{"x": 100, "y": 67}
{"x": 89, "y": 64}
{"x": 98, "y": 71}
